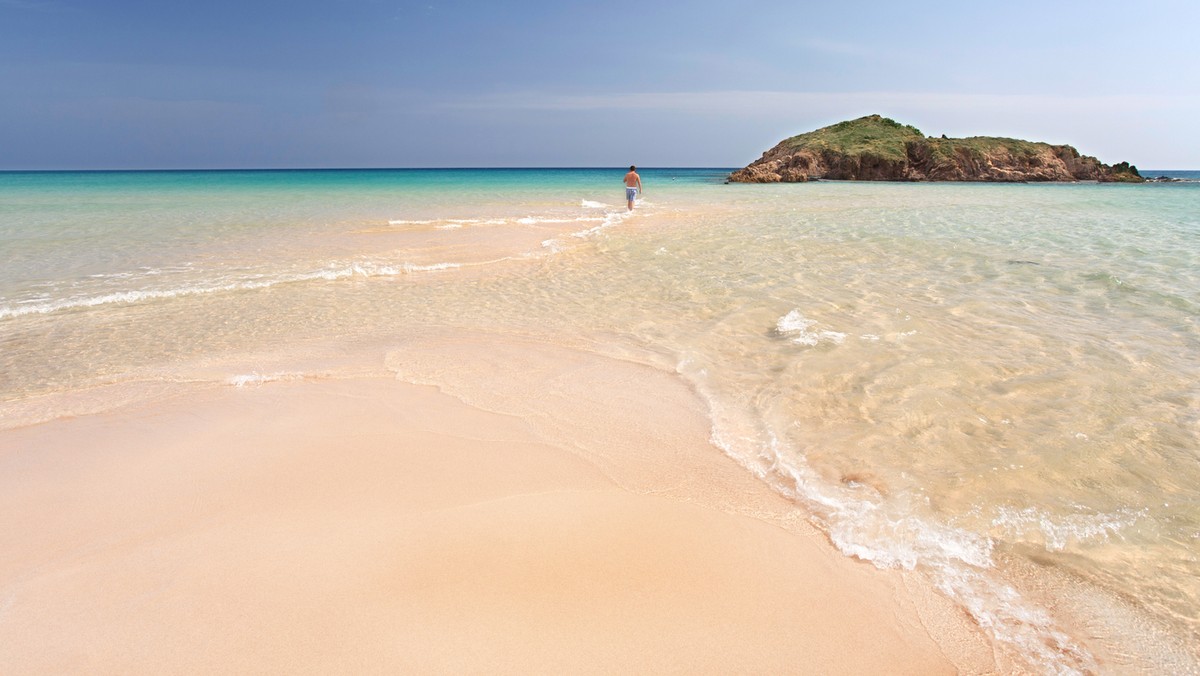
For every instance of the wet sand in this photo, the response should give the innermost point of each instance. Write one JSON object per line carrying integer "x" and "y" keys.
{"x": 498, "y": 505}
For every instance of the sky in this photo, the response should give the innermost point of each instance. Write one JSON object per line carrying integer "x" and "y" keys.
{"x": 159, "y": 84}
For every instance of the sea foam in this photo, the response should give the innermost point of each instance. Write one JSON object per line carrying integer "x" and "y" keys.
{"x": 890, "y": 535}
{"x": 1031, "y": 523}
{"x": 246, "y": 379}
{"x": 796, "y": 326}
{"x": 333, "y": 272}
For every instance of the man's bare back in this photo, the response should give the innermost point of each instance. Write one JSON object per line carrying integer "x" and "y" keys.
{"x": 633, "y": 186}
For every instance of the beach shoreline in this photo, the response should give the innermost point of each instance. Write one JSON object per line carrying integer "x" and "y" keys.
{"x": 534, "y": 508}
{"x": 881, "y": 371}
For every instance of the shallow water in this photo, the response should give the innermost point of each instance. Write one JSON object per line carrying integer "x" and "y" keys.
{"x": 994, "y": 384}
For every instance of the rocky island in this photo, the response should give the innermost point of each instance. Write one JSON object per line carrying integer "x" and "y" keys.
{"x": 875, "y": 148}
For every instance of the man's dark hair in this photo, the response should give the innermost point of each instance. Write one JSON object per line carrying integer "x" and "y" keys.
{"x": 632, "y": 168}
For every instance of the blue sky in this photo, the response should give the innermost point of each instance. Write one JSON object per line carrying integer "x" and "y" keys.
{"x": 375, "y": 83}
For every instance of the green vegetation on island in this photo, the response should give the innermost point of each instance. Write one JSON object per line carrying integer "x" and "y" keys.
{"x": 878, "y": 148}
{"x": 871, "y": 135}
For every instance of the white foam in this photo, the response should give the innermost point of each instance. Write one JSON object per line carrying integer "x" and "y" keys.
{"x": 535, "y": 220}
{"x": 610, "y": 219}
{"x": 890, "y": 533}
{"x": 589, "y": 204}
{"x": 1055, "y": 533}
{"x": 457, "y": 223}
{"x": 447, "y": 223}
{"x": 393, "y": 270}
{"x": 796, "y": 326}
{"x": 1000, "y": 609}
{"x": 332, "y": 273}
{"x": 957, "y": 559}
{"x": 260, "y": 378}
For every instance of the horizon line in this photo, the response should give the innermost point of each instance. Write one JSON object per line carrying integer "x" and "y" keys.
{"x": 462, "y": 168}
{"x": 459, "y": 168}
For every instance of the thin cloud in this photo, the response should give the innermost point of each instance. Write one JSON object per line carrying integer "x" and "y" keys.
{"x": 734, "y": 122}
{"x": 750, "y": 101}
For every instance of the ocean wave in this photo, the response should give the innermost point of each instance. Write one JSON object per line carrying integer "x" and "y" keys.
{"x": 456, "y": 223}
{"x": 891, "y": 534}
{"x": 610, "y": 219}
{"x": 331, "y": 273}
{"x": 959, "y": 561}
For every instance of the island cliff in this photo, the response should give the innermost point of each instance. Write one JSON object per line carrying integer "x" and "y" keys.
{"x": 875, "y": 148}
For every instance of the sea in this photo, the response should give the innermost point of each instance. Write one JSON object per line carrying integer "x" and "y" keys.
{"x": 995, "y": 385}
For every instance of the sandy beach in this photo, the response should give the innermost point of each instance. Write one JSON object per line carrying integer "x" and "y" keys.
{"x": 497, "y": 505}
{"x": 487, "y": 420}
{"x": 333, "y": 340}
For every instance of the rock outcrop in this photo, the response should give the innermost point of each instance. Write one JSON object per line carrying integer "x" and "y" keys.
{"x": 875, "y": 148}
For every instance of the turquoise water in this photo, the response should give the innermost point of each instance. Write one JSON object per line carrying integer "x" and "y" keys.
{"x": 81, "y": 223}
{"x": 995, "y": 385}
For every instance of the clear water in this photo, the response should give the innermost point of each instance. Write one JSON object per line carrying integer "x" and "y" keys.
{"x": 993, "y": 384}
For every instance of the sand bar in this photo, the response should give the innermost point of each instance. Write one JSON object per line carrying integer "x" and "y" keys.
{"x": 531, "y": 509}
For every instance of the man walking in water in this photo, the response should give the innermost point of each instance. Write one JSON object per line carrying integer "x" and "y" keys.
{"x": 633, "y": 186}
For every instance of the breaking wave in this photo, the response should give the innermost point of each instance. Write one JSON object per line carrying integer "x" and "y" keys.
{"x": 891, "y": 534}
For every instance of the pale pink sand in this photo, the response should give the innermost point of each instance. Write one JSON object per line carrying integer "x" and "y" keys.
{"x": 375, "y": 526}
